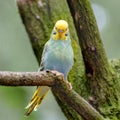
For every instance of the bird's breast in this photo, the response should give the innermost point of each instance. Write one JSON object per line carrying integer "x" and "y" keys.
{"x": 59, "y": 57}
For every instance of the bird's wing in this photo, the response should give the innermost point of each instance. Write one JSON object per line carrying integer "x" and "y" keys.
{"x": 41, "y": 91}
{"x": 46, "y": 48}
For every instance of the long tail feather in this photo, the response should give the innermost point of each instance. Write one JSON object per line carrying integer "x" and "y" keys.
{"x": 37, "y": 98}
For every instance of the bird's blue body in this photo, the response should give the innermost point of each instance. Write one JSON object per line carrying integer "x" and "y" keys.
{"x": 58, "y": 55}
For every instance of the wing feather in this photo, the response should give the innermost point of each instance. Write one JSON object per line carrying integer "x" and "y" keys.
{"x": 45, "y": 50}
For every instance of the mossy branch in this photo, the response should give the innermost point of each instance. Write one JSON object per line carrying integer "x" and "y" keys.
{"x": 101, "y": 78}
{"x": 58, "y": 85}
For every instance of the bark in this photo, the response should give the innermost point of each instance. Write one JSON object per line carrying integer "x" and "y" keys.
{"x": 58, "y": 84}
{"x": 26, "y": 78}
{"x": 102, "y": 81}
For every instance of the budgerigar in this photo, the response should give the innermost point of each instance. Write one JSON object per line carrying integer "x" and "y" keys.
{"x": 57, "y": 55}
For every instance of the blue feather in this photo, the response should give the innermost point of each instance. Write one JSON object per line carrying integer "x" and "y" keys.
{"x": 58, "y": 55}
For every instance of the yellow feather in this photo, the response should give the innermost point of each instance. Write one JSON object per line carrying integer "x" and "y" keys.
{"x": 60, "y": 28}
{"x": 61, "y": 25}
{"x": 38, "y": 96}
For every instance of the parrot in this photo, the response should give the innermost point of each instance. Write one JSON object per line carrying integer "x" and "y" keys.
{"x": 57, "y": 56}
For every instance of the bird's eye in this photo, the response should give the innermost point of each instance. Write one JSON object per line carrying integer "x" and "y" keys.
{"x": 66, "y": 34}
{"x": 54, "y": 33}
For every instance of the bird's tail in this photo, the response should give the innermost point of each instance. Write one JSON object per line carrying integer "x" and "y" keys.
{"x": 37, "y": 98}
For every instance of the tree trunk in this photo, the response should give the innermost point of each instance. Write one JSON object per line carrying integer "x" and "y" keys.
{"x": 101, "y": 87}
{"x": 101, "y": 80}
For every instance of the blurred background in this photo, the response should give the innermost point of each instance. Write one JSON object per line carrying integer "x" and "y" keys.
{"x": 16, "y": 55}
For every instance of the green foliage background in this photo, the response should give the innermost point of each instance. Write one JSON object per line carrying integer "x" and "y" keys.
{"x": 16, "y": 55}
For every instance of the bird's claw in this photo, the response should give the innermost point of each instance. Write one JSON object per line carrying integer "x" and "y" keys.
{"x": 61, "y": 75}
{"x": 69, "y": 85}
{"x": 57, "y": 73}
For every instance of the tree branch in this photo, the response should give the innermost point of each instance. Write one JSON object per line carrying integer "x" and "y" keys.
{"x": 26, "y": 78}
{"x": 59, "y": 86}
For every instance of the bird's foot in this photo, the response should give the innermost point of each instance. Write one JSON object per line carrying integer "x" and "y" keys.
{"x": 69, "y": 85}
{"x": 60, "y": 75}
{"x": 57, "y": 73}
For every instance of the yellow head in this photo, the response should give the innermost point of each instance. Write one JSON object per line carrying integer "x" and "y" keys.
{"x": 60, "y": 31}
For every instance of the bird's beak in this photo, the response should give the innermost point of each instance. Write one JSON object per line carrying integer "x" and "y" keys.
{"x": 60, "y": 32}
